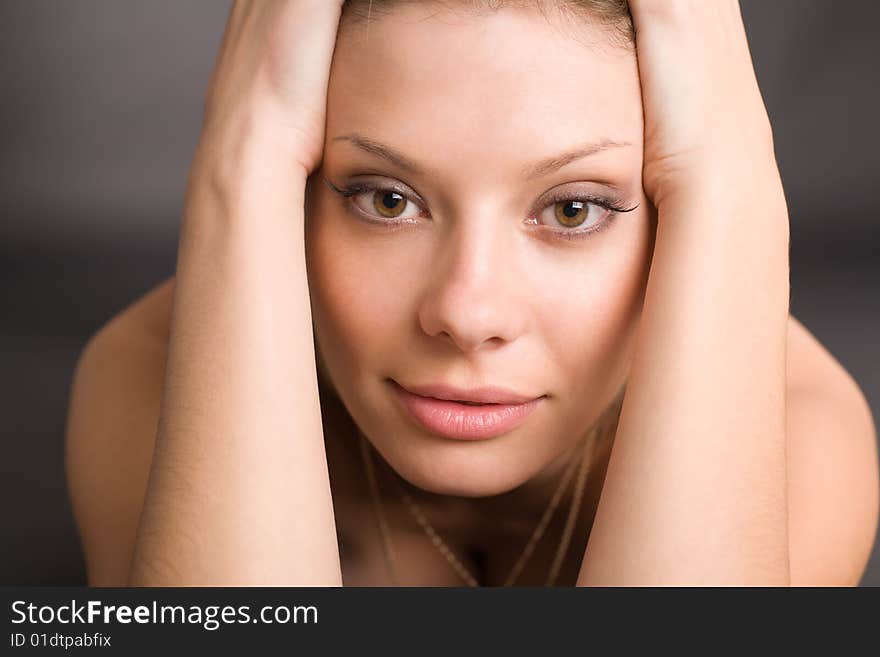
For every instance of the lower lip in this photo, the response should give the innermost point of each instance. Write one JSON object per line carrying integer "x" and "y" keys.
{"x": 454, "y": 420}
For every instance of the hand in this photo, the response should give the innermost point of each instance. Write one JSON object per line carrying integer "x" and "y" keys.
{"x": 271, "y": 74}
{"x": 705, "y": 120}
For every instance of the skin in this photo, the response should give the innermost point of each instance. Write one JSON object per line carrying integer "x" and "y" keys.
{"x": 719, "y": 468}
{"x": 401, "y": 303}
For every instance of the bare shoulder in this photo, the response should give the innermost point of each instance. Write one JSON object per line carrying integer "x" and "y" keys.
{"x": 833, "y": 482}
{"x": 148, "y": 316}
{"x": 112, "y": 420}
{"x": 810, "y": 364}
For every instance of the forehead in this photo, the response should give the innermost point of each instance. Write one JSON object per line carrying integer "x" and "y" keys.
{"x": 492, "y": 86}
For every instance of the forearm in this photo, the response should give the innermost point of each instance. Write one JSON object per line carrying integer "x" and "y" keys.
{"x": 239, "y": 490}
{"x": 695, "y": 492}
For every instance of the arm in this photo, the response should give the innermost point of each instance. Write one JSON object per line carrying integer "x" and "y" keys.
{"x": 239, "y": 489}
{"x": 239, "y": 492}
{"x": 695, "y": 492}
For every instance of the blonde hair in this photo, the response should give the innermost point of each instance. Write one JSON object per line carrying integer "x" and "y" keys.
{"x": 613, "y": 15}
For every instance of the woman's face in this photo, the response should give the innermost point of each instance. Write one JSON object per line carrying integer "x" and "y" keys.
{"x": 479, "y": 286}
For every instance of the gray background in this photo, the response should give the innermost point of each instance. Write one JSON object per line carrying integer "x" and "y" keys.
{"x": 100, "y": 107}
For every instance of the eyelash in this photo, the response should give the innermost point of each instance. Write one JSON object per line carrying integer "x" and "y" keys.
{"x": 613, "y": 204}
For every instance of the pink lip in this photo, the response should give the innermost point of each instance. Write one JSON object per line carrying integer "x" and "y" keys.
{"x": 452, "y": 419}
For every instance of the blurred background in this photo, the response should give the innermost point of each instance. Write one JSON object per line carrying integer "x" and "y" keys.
{"x": 100, "y": 108}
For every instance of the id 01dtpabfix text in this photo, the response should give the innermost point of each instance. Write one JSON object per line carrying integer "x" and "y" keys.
{"x": 58, "y": 640}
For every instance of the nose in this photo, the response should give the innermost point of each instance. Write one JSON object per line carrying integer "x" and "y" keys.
{"x": 476, "y": 290}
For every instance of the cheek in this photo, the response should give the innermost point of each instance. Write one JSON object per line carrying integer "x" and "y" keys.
{"x": 356, "y": 296}
{"x": 592, "y": 322}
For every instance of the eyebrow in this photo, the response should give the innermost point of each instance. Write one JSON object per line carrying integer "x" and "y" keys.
{"x": 542, "y": 167}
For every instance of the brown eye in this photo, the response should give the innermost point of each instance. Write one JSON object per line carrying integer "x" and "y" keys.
{"x": 574, "y": 213}
{"x": 380, "y": 203}
{"x": 388, "y": 203}
{"x": 571, "y": 213}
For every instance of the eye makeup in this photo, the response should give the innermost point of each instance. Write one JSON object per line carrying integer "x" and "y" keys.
{"x": 612, "y": 204}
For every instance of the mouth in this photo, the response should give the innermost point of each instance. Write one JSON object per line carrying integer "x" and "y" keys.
{"x": 452, "y": 416}
{"x": 485, "y": 395}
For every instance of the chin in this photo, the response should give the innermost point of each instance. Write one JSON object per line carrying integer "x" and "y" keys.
{"x": 460, "y": 470}
{"x": 450, "y": 487}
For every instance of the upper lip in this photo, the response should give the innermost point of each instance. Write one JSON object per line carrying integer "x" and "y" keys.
{"x": 482, "y": 395}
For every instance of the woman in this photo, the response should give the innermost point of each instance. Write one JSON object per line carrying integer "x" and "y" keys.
{"x": 436, "y": 261}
